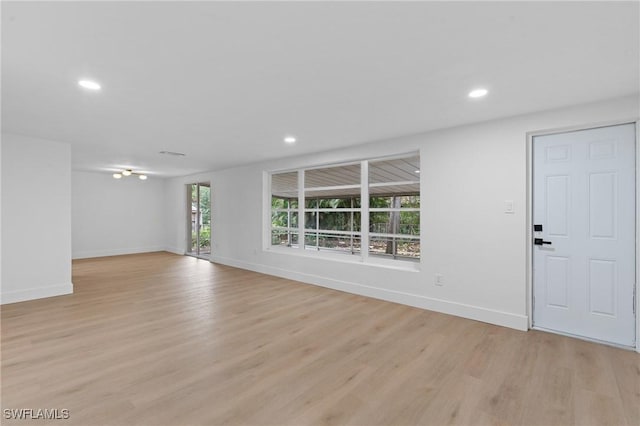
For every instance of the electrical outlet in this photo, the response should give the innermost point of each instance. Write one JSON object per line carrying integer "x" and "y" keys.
{"x": 438, "y": 280}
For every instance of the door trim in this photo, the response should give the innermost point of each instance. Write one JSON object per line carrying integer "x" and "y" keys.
{"x": 529, "y": 219}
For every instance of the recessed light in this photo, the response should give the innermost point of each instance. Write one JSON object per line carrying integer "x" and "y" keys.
{"x": 142, "y": 177}
{"x": 417, "y": 171}
{"x": 126, "y": 173}
{"x": 290, "y": 139}
{"x": 89, "y": 84}
{"x": 117, "y": 176}
{"x": 478, "y": 93}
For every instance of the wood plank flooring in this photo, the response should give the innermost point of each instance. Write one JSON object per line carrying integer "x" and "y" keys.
{"x": 160, "y": 339}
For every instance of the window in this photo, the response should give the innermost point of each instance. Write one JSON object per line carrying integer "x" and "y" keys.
{"x": 394, "y": 207}
{"x": 334, "y": 217}
{"x": 332, "y": 212}
{"x": 284, "y": 209}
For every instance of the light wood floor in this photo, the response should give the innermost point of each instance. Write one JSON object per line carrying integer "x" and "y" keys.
{"x": 159, "y": 339}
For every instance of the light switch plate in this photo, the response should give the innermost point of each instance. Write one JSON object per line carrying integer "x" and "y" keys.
{"x": 508, "y": 207}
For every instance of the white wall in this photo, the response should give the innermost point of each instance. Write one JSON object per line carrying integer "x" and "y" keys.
{"x": 116, "y": 216}
{"x": 36, "y": 218}
{"x": 467, "y": 174}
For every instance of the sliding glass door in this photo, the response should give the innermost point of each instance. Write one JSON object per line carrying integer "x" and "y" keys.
{"x": 199, "y": 211}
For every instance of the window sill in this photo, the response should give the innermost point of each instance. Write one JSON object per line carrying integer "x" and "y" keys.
{"x": 401, "y": 265}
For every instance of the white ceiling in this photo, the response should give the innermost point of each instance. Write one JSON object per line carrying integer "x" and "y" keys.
{"x": 225, "y": 82}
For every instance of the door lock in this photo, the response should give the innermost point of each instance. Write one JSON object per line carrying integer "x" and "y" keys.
{"x": 540, "y": 241}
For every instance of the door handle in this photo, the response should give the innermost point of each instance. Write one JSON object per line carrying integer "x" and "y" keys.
{"x": 540, "y": 241}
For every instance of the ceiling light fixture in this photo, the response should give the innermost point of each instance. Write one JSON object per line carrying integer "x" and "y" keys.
{"x": 89, "y": 84}
{"x": 129, "y": 172}
{"x": 290, "y": 139}
{"x": 478, "y": 93}
{"x": 417, "y": 171}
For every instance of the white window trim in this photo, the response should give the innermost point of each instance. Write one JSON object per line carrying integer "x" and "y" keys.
{"x": 410, "y": 266}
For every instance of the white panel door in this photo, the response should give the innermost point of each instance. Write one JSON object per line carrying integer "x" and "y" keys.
{"x": 584, "y": 198}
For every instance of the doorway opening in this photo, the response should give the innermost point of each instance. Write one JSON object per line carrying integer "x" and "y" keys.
{"x": 199, "y": 223}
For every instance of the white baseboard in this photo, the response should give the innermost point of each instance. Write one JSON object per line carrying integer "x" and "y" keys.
{"x": 505, "y": 319}
{"x": 35, "y": 293}
{"x": 114, "y": 252}
{"x": 174, "y": 250}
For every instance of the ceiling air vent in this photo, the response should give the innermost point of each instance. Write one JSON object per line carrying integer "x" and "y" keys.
{"x": 175, "y": 154}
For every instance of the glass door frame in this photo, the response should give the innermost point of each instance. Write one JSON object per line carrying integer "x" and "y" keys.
{"x": 198, "y": 219}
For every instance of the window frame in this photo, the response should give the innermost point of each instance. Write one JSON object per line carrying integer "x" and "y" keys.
{"x": 361, "y": 255}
